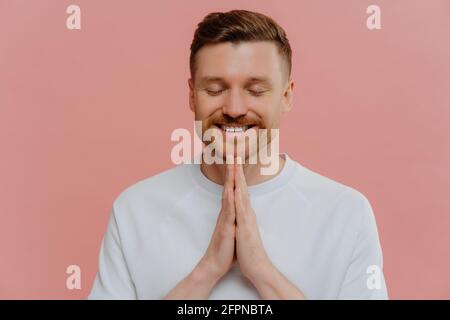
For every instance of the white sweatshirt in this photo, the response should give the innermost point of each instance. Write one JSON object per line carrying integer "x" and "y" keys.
{"x": 319, "y": 233}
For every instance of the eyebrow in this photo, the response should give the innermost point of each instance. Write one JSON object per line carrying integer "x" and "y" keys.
{"x": 252, "y": 80}
{"x": 262, "y": 80}
{"x": 209, "y": 79}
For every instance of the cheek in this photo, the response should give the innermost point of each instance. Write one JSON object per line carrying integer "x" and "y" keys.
{"x": 206, "y": 106}
{"x": 267, "y": 109}
{"x": 275, "y": 119}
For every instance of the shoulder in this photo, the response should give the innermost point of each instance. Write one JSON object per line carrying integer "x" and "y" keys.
{"x": 146, "y": 193}
{"x": 331, "y": 197}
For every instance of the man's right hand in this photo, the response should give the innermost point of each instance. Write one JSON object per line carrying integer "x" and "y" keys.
{"x": 221, "y": 250}
{"x": 219, "y": 255}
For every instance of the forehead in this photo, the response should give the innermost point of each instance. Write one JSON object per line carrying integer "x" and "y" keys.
{"x": 239, "y": 61}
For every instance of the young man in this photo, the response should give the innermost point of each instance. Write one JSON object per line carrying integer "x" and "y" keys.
{"x": 227, "y": 231}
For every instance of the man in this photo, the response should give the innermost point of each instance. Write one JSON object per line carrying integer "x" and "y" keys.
{"x": 227, "y": 231}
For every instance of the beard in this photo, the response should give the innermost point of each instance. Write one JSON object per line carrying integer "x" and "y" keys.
{"x": 235, "y": 137}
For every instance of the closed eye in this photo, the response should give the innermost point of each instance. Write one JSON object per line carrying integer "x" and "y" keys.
{"x": 257, "y": 92}
{"x": 214, "y": 92}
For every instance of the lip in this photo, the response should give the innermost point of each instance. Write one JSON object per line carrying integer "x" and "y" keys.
{"x": 223, "y": 126}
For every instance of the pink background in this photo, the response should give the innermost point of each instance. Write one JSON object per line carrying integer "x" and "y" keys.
{"x": 85, "y": 113}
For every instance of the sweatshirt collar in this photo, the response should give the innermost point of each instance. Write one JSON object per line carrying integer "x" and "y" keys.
{"x": 267, "y": 186}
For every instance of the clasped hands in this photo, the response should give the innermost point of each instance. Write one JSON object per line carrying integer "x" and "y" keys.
{"x": 236, "y": 235}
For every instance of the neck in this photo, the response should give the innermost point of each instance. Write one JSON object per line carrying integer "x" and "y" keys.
{"x": 216, "y": 172}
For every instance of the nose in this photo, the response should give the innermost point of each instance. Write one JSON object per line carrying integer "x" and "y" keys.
{"x": 234, "y": 105}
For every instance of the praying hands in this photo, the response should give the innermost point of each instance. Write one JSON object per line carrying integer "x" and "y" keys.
{"x": 236, "y": 236}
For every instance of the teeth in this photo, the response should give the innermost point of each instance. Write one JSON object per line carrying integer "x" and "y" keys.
{"x": 234, "y": 129}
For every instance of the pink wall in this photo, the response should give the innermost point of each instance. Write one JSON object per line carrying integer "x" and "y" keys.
{"x": 85, "y": 113}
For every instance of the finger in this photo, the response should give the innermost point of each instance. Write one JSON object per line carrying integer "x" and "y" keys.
{"x": 240, "y": 182}
{"x": 229, "y": 176}
{"x": 228, "y": 181}
{"x": 228, "y": 196}
{"x": 227, "y": 214}
{"x": 239, "y": 205}
{"x": 240, "y": 195}
{"x": 240, "y": 177}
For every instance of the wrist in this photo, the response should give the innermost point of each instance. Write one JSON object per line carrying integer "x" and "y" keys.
{"x": 205, "y": 271}
{"x": 263, "y": 275}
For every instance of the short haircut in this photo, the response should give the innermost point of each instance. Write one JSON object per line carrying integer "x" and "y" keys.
{"x": 236, "y": 26}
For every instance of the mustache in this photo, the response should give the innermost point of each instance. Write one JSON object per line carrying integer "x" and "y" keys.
{"x": 224, "y": 119}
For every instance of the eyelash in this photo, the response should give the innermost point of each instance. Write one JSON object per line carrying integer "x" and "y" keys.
{"x": 213, "y": 92}
{"x": 217, "y": 92}
{"x": 256, "y": 93}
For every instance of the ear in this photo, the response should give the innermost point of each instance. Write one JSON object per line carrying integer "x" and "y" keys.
{"x": 191, "y": 94}
{"x": 287, "y": 96}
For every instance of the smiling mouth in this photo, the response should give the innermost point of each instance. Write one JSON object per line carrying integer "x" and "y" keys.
{"x": 233, "y": 128}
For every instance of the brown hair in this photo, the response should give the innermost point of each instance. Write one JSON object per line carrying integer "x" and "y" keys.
{"x": 239, "y": 25}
